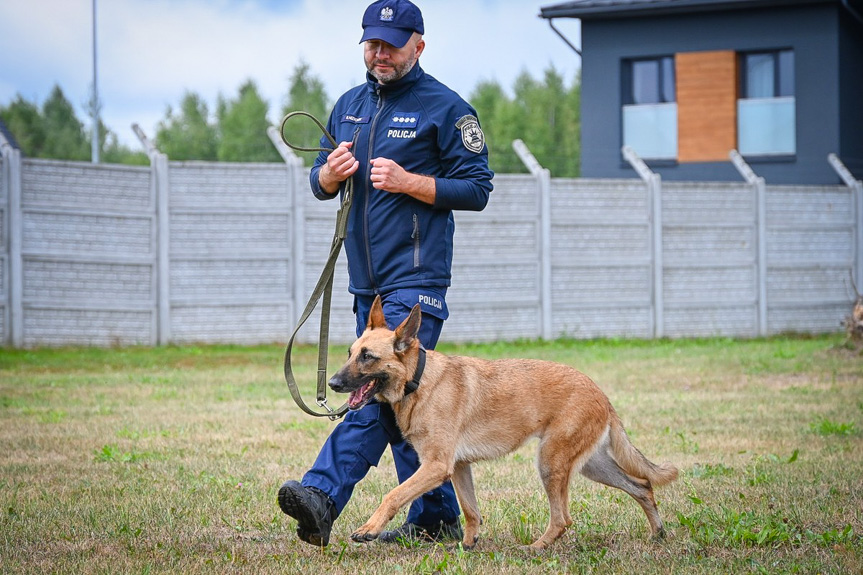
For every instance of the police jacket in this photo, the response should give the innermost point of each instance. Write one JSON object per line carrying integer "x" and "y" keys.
{"x": 393, "y": 240}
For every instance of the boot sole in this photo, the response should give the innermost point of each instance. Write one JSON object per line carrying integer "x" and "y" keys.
{"x": 308, "y": 528}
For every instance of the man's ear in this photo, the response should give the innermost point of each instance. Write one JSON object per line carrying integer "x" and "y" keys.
{"x": 406, "y": 333}
{"x": 376, "y": 315}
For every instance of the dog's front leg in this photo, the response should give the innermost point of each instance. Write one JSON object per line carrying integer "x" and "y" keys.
{"x": 430, "y": 474}
{"x": 462, "y": 480}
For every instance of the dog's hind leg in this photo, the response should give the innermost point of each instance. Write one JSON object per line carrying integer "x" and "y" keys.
{"x": 602, "y": 468}
{"x": 462, "y": 480}
{"x": 555, "y": 461}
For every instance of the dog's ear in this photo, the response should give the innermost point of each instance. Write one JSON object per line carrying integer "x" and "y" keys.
{"x": 406, "y": 333}
{"x": 376, "y": 315}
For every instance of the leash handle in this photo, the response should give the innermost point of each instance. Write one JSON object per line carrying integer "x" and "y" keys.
{"x": 316, "y": 121}
{"x": 322, "y": 292}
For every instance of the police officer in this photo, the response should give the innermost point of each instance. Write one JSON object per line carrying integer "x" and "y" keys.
{"x": 416, "y": 152}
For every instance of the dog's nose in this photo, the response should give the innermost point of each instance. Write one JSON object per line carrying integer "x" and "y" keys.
{"x": 336, "y": 383}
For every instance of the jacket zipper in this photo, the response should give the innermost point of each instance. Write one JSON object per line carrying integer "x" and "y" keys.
{"x": 415, "y": 236}
{"x": 366, "y": 235}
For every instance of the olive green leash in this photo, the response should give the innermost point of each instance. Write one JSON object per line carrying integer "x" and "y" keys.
{"x": 323, "y": 291}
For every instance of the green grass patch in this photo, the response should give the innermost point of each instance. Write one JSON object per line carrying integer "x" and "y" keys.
{"x": 168, "y": 460}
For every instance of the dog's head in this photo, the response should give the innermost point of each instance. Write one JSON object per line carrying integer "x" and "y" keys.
{"x": 381, "y": 361}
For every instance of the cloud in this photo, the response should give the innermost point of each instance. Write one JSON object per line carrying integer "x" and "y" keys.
{"x": 150, "y": 52}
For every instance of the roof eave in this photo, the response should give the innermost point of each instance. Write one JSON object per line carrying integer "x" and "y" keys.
{"x": 627, "y": 10}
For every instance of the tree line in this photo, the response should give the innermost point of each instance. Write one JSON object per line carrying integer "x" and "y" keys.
{"x": 544, "y": 113}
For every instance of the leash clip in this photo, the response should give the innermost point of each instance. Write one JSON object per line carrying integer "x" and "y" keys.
{"x": 323, "y": 403}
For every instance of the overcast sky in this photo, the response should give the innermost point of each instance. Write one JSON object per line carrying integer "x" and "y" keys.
{"x": 150, "y": 52}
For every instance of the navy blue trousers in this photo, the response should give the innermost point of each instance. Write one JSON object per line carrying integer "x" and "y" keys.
{"x": 359, "y": 440}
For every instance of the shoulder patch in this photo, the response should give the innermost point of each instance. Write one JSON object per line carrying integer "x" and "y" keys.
{"x": 471, "y": 134}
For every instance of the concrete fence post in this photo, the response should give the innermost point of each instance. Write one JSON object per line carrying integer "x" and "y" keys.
{"x": 5, "y": 155}
{"x": 653, "y": 182}
{"x": 15, "y": 238}
{"x": 856, "y": 187}
{"x": 543, "y": 178}
{"x": 758, "y": 184}
{"x": 160, "y": 187}
{"x": 295, "y": 167}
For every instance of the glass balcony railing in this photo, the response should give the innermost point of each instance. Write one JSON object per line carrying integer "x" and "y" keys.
{"x": 766, "y": 126}
{"x": 651, "y": 130}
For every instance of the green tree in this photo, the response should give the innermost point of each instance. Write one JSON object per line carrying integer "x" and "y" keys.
{"x": 306, "y": 93}
{"x": 545, "y": 107}
{"x": 243, "y": 128}
{"x": 113, "y": 152}
{"x": 64, "y": 132}
{"x": 573, "y": 128}
{"x": 501, "y": 124}
{"x": 188, "y": 135}
{"x": 544, "y": 114}
{"x": 24, "y": 121}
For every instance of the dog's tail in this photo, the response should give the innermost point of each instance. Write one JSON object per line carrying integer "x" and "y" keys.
{"x": 632, "y": 461}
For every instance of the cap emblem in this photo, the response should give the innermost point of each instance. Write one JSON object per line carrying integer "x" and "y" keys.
{"x": 387, "y": 14}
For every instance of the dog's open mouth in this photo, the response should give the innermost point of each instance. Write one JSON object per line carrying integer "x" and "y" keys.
{"x": 360, "y": 397}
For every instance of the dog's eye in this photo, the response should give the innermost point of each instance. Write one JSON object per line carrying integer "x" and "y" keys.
{"x": 366, "y": 356}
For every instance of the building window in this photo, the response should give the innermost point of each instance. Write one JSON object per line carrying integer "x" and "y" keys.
{"x": 650, "y": 108}
{"x": 766, "y": 122}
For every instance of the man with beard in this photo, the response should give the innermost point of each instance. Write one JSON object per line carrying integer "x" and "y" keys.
{"x": 416, "y": 152}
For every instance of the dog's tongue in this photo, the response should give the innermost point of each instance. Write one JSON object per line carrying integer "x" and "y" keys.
{"x": 361, "y": 395}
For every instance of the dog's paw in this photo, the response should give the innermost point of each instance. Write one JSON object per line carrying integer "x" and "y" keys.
{"x": 363, "y": 536}
{"x": 659, "y": 536}
{"x": 469, "y": 544}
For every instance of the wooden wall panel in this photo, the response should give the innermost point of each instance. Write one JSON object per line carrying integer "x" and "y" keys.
{"x": 706, "y": 105}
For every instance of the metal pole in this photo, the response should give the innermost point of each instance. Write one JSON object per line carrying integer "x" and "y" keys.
{"x": 94, "y": 104}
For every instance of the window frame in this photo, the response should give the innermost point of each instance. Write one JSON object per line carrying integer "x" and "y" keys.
{"x": 665, "y": 64}
{"x": 780, "y": 81}
{"x": 627, "y": 84}
{"x": 777, "y": 72}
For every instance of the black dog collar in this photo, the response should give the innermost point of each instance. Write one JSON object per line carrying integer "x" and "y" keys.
{"x": 413, "y": 384}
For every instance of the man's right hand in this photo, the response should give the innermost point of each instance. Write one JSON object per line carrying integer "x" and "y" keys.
{"x": 340, "y": 166}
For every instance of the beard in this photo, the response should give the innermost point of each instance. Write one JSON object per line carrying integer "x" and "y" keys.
{"x": 398, "y": 72}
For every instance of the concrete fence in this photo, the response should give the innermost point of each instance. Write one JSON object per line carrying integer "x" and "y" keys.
{"x": 183, "y": 252}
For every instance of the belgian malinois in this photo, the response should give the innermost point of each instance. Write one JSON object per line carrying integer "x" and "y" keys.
{"x": 468, "y": 409}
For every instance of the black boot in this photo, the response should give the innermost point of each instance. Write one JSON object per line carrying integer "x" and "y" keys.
{"x": 312, "y": 508}
{"x": 411, "y": 532}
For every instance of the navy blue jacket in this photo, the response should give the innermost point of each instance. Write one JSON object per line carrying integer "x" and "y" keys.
{"x": 395, "y": 241}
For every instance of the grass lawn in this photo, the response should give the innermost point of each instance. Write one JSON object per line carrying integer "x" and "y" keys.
{"x": 168, "y": 460}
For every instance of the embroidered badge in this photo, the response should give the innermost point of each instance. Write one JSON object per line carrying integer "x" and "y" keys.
{"x": 471, "y": 134}
{"x": 355, "y": 119}
{"x": 386, "y": 14}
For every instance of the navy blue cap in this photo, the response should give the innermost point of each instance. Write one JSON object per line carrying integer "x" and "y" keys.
{"x": 393, "y": 21}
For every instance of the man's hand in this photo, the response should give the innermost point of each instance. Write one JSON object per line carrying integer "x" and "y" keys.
{"x": 340, "y": 166}
{"x": 387, "y": 175}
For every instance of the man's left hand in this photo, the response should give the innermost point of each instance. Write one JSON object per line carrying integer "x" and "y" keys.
{"x": 387, "y": 175}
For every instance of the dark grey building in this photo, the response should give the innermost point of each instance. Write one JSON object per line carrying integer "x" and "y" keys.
{"x": 683, "y": 82}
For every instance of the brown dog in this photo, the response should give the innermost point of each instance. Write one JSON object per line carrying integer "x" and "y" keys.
{"x": 467, "y": 409}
